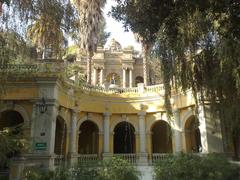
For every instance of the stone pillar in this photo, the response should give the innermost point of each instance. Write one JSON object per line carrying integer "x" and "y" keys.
{"x": 44, "y": 128}
{"x": 95, "y": 76}
{"x": 130, "y": 78}
{"x": 73, "y": 132}
{"x": 177, "y": 131}
{"x": 101, "y": 76}
{"x": 203, "y": 128}
{"x": 142, "y": 135}
{"x": 106, "y": 135}
{"x": 124, "y": 78}
{"x": 73, "y": 138}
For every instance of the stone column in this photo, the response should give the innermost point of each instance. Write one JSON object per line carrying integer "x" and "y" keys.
{"x": 101, "y": 76}
{"x": 142, "y": 135}
{"x": 44, "y": 128}
{"x": 73, "y": 133}
{"x": 177, "y": 131}
{"x": 95, "y": 76}
{"x": 124, "y": 78}
{"x": 203, "y": 128}
{"x": 130, "y": 78}
{"x": 106, "y": 134}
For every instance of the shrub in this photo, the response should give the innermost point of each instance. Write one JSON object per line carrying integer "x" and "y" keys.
{"x": 118, "y": 169}
{"x": 114, "y": 169}
{"x": 193, "y": 167}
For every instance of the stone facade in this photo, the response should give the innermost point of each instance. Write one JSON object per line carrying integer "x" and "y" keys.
{"x": 115, "y": 66}
{"x": 69, "y": 123}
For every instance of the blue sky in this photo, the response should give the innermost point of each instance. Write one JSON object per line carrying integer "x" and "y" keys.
{"x": 117, "y": 30}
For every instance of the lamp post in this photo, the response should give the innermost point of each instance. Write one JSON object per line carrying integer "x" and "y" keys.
{"x": 42, "y": 106}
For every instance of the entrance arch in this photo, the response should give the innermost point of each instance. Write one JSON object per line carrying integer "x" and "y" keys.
{"x": 11, "y": 119}
{"x": 124, "y": 138}
{"x": 138, "y": 79}
{"x": 192, "y": 135}
{"x": 113, "y": 78}
{"x": 161, "y": 137}
{"x": 88, "y": 138}
{"x": 60, "y": 147}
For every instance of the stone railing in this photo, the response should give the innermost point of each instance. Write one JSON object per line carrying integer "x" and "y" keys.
{"x": 59, "y": 160}
{"x": 147, "y": 89}
{"x": 158, "y": 157}
{"x": 131, "y": 158}
{"x": 87, "y": 158}
{"x": 33, "y": 68}
{"x": 18, "y": 68}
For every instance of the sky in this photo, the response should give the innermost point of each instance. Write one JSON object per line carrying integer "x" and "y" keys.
{"x": 117, "y": 30}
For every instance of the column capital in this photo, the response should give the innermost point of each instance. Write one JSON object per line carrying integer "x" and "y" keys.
{"x": 75, "y": 110}
{"x": 176, "y": 111}
{"x": 107, "y": 114}
{"x": 142, "y": 113}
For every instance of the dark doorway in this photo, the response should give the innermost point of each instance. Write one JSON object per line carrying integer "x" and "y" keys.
{"x": 124, "y": 138}
{"x": 88, "y": 138}
{"x": 161, "y": 137}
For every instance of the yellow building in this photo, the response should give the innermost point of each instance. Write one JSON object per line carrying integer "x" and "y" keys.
{"x": 68, "y": 123}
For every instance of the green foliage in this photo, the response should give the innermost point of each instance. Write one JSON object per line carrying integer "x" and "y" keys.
{"x": 13, "y": 48}
{"x": 197, "y": 43}
{"x": 193, "y": 167}
{"x": 12, "y": 143}
{"x": 102, "y": 34}
{"x": 114, "y": 169}
{"x": 118, "y": 169}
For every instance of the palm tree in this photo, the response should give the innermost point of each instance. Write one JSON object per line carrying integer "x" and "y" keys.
{"x": 46, "y": 33}
{"x": 146, "y": 46}
{"x": 90, "y": 14}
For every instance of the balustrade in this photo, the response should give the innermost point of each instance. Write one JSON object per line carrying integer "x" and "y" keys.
{"x": 158, "y": 157}
{"x": 87, "y": 158}
{"x": 131, "y": 158}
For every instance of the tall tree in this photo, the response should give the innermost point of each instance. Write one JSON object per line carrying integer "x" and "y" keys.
{"x": 90, "y": 14}
{"x": 133, "y": 14}
{"x": 198, "y": 46}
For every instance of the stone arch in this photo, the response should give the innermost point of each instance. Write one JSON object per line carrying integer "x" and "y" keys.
{"x": 185, "y": 117}
{"x": 88, "y": 138}
{"x": 21, "y": 110}
{"x": 124, "y": 140}
{"x": 114, "y": 124}
{"x": 61, "y": 133}
{"x": 98, "y": 123}
{"x": 154, "y": 120}
{"x": 138, "y": 79}
{"x": 161, "y": 140}
{"x": 116, "y": 80}
{"x": 192, "y": 135}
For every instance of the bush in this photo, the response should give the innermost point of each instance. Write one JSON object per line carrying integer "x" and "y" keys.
{"x": 114, "y": 169}
{"x": 193, "y": 167}
{"x": 118, "y": 169}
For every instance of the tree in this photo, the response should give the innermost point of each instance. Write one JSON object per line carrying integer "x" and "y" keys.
{"x": 90, "y": 15}
{"x": 102, "y": 34}
{"x": 12, "y": 143}
{"x": 133, "y": 14}
{"x": 197, "y": 44}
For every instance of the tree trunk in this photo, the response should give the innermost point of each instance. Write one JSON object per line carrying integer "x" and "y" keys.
{"x": 1, "y": 8}
{"x": 145, "y": 50}
{"x": 89, "y": 69}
